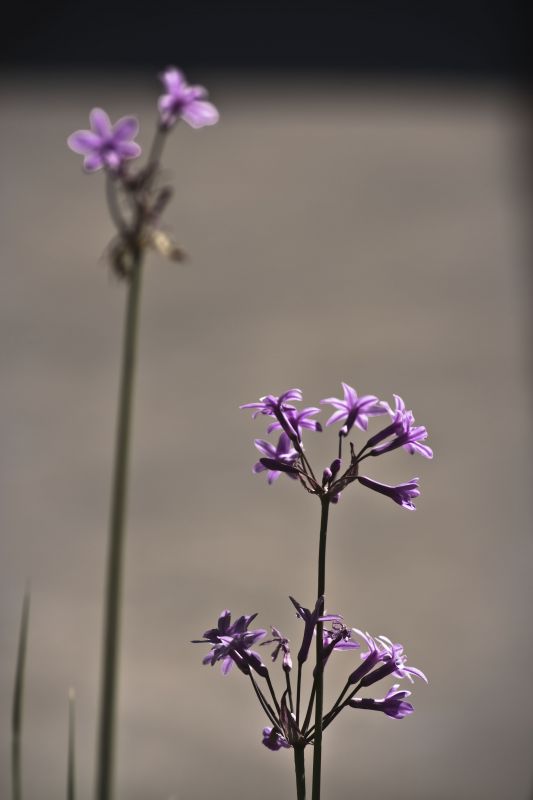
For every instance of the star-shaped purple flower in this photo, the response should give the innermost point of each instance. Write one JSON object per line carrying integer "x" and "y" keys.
{"x": 106, "y": 145}
{"x": 402, "y": 494}
{"x": 354, "y": 410}
{"x": 404, "y": 432}
{"x": 232, "y": 643}
{"x": 277, "y": 458}
{"x": 392, "y": 658}
{"x": 273, "y": 739}
{"x": 279, "y": 407}
{"x": 185, "y": 102}
{"x": 393, "y": 704}
{"x": 299, "y": 420}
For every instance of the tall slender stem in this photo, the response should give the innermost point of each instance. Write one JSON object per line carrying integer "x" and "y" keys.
{"x": 108, "y": 698}
{"x": 299, "y": 770}
{"x": 298, "y": 693}
{"x": 18, "y": 697}
{"x": 71, "y": 765}
{"x": 319, "y": 679}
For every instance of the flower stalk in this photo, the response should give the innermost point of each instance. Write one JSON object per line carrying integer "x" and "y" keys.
{"x": 299, "y": 771}
{"x": 18, "y": 698}
{"x": 319, "y": 677}
{"x": 115, "y": 561}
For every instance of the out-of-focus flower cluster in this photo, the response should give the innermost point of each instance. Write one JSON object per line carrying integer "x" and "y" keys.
{"x": 380, "y": 658}
{"x": 135, "y": 198}
{"x": 108, "y": 146}
{"x": 352, "y": 411}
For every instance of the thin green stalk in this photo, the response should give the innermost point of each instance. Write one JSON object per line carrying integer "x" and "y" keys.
{"x": 108, "y": 699}
{"x": 264, "y": 704}
{"x": 289, "y": 689}
{"x": 272, "y": 692}
{"x": 18, "y": 697}
{"x": 299, "y": 771}
{"x": 309, "y": 708}
{"x": 298, "y": 693}
{"x": 319, "y": 678}
{"x": 71, "y": 766}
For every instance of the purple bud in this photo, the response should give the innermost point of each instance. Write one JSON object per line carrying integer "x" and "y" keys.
{"x": 335, "y": 467}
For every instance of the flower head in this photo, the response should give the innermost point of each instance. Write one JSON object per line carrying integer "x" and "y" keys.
{"x": 232, "y": 643}
{"x": 402, "y": 494}
{"x": 277, "y": 458}
{"x": 106, "y": 145}
{"x": 393, "y": 704}
{"x": 354, "y": 410}
{"x": 185, "y": 102}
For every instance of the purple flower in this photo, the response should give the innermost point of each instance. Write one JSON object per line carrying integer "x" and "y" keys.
{"x": 273, "y": 739}
{"x": 106, "y": 145}
{"x": 405, "y": 433}
{"x": 392, "y": 658}
{"x": 393, "y": 704}
{"x": 401, "y": 494}
{"x": 187, "y": 102}
{"x": 278, "y": 459}
{"x": 310, "y": 619}
{"x": 278, "y": 407}
{"x": 339, "y": 637}
{"x": 354, "y": 410}
{"x": 232, "y": 643}
{"x": 282, "y": 646}
{"x": 299, "y": 420}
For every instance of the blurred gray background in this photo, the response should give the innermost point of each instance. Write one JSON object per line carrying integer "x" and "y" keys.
{"x": 338, "y": 229}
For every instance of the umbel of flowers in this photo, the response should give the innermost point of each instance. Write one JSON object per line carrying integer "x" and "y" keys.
{"x": 291, "y": 723}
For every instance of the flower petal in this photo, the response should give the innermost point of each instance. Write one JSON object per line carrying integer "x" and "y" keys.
{"x": 100, "y": 123}
{"x": 93, "y": 162}
{"x": 126, "y": 128}
{"x": 173, "y": 79}
{"x": 128, "y": 149}
{"x": 83, "y": 142}
{"x": 200, "y": 113}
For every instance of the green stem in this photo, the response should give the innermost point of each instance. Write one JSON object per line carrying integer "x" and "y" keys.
{"x": 289, "y": 690}
{"x": 299, "y": 771}
{"x": 298, "y": 693}
{"x": 309, "y": 708}
{"x": 71, "y": 767}
{"x": 18, "y": 696}
{"x": 108, "y": 698}
{"x": 272, "y": 693}
{"x": 319, "y": 679}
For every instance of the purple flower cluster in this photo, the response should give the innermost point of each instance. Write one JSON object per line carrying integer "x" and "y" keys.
{"x": 109, "y": 146}
{"x": 381, "y": 659}
{"x": 288, "y": 455}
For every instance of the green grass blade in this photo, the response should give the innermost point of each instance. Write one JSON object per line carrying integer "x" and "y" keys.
{"x": 18, "y": 698}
